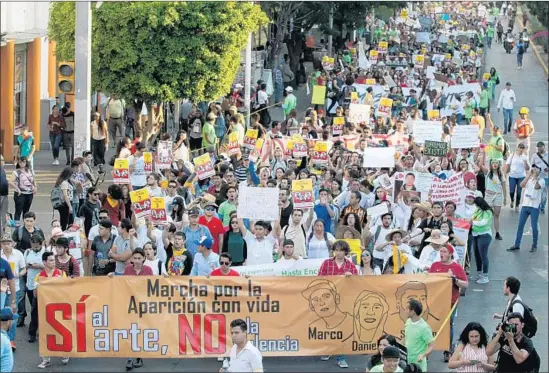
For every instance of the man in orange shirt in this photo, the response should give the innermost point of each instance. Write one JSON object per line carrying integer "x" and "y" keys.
{"x": 478, "y": 120}
{"x": 524, "y": 128}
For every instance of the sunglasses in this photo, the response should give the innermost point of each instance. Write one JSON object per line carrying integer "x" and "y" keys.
{"x": 224, "y": 263}
{"x": 210, "y": 209}
{"x": 366, "y": 255}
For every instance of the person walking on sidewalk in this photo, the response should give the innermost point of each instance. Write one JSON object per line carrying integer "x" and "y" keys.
{"x": 533, "y": 187}
{"x": 55, "y": 123}
{"x": 68, "y": 132}
{"x": 115, "y": 117}
{"x": 100, "y": 139}
{"x": 507, "y": 100}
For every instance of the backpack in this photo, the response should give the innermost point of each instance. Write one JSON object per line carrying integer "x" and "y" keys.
{"x": 160, "y": 267}
{"x": 521, "y": 49}
{"x": 530, "y": 321}
{"x": 373, "y": 241}
{"x": 19, "y": 236}
{"x": 506, "y": 149}
{"x": 56, "y": 198}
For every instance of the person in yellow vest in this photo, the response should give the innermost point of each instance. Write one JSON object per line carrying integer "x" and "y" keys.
{"x": 524, "y": 128}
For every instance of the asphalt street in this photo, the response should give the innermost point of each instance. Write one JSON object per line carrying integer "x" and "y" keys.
{"x": 480, "y": 302}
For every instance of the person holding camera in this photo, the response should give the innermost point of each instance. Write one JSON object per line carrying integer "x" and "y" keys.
{"x": 516, "y": 351}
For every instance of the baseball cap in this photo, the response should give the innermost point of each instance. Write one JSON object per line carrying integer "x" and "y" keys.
{"x": 540, "y": 143}
{"x": 204, "y": 241}
{"x": 194, "y": 211}
{"x": 391, "y": 352}
{"x": 55, "y": 232}
{"x": 212, "y": 204}
{"x": 6, "y": 314}
{"x": 289, "y": 89}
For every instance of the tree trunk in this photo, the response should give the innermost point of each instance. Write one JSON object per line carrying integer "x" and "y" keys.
{"x": 295, "y": 48}
{"x": 138, "y": 105}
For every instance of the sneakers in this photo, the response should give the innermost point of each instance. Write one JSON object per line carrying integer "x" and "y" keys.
{"x": 32, "y": 338}
{"x": 129, "y": 365}
{"x": 138, "y": 363}
{"x": 55, "y": 162}
{"x": 498, "y": 236}
{"x": 325, "y": 357}
{"x": 65, "y": 360}
{"x": 342, "y": 363}
{"x": 479, "y": 276}
{"x": 513, "y": 248}
{"x": 483, "y": 280}
{"x": 447, "y": 356}
{"x": 533, "y": 249}
{"x": 45, "y": 363}
{"x": 517, "y": 207}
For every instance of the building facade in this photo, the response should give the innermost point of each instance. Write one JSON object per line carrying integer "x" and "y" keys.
{"x": 27, "y": 70}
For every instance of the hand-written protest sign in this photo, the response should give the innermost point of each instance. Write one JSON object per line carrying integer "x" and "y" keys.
{"x": 320, "y": 153}
{"x": 250, "y": 138}
{"x": 283, "y": 317}
{"x": 427, "y": 130}
{"x": 435, "y": 148}
{"x": 141, "y": 202}
{"x": 158, "y": 210}
{"x": 377, "y": 210}
{"x": 465, "y": 137}
{"x": 257, "y": 203}
{"x": 203, "y": 166}
{"x": 319, "y": 95}
{"x": 385, "y": 105}
{"x": 379, "y": 157}
{"x": 447, "y": 190}
{"x": 164, "y": 156}
{"x": 359, "y": 113}
{"x": 233, "y": 147}
{"x": 148, "y": 159}
{"x": 337, "y": 125}
{"x": 302, "y": 193}
{"x": 121, "y": 171}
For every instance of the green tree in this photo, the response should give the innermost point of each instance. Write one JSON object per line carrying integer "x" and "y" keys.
{"x": 540, "y": 10}
{"x": 161, "y": 51}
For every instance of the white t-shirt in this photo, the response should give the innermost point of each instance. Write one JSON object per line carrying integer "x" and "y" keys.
{"x": 516, "y": 165}
{"x": 248, "y": 360}
{"x": 153, "y": 264}
{"x": 259, "y": 251}
{"x": 17, "y": 263}
{"x": 138, "y": 177}
{"x": 155, "y": 191}
{"x": 383, "y": 232}
{"x": 532, "y": 196}
{"x": 318, "y": 249}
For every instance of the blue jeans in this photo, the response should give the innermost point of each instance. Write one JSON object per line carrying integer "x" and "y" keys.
{"x": 519, "y": 59}
{"x": 459, "y": 119}
{"x": 75, "y": 207}
{"x": 514, "y": 185}
{"x": 452, "y": 317}
{"x": 507, "y": 119}
{"x": 55, "y": 141}
{"x": 278, "y": 92}
{"x": 489, "y": 42}
{"x": 534, "y": 215}
{"x": 544, "y": 195}
{"x": 481, "y": 244}
{"x": 5, "y": 301}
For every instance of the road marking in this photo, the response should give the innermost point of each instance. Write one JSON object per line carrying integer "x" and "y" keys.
{"x": 543, "y": 272}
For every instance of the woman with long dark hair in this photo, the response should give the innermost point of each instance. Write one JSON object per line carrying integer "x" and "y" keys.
{"x": 64, "y": 183}
{"x": 24, "y": 187}
{"x": 386, "y": 340}
{"x": 56, "y": 123}
{"x": 99, "y": 139}
{"x": 470, "y": 354}
{"x": 482, "y": 237}
{"x": 123, "y": 148}
{"x": 367, "y": 266}
{"x": 496, "y": 190}
{"x": 234, "y": 244}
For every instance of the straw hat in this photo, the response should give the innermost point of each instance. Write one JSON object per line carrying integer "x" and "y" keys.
{"x": 389, "y": 236}
{"x": 425, "y": 206}
{"x": 340, "y": 232}
{"x": 438, "y": 240}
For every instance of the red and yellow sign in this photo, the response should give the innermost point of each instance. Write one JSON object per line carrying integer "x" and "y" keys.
{"x": 302, "y": 194}
{"x": 433, "y": 114}
{"x": 306, "y": 316}
{"x": 148, "y": 159}
{"x": 374, "y": 55}
{"x": 300, "y": 146}
{"x": 203, "y": 166}
{"x": 250, "y": 138}
{"x": 385, "y": 105}
{"x": 232, "y": 146}
{"x": 121, "y": 171}
{"x": 320, "y": 153}
{"x": 337, "y": 125}
{"x": 158, "y": 210}
{"x": 141, "y": 202}
{"x": 382, "y": 47}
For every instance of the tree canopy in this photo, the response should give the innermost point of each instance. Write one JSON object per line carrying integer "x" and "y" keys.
{"x": 540, "y": 10}
{"x": 161, "y": 51}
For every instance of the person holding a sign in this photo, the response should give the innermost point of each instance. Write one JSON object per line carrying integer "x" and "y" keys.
{"x": 260, "y": 245}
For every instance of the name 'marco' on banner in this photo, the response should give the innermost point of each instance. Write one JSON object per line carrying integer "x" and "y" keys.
{"x": 154, "y": 317}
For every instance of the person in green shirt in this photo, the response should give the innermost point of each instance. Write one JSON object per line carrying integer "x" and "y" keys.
{"x": 469, "y": 105}
{"x": 209, "y": 138}
{"x": 496, "y": 144}
{"x": 418, "y": 336}
{"x": 290, "y": 102}
{"x": 484, "y": 104}
{"x": 490, "y": 31}
{"x": 390, "y": 359}
{"x": 494, "y": 78}
{"x": 228, "y": 206}
{"x": 347, "y": 58}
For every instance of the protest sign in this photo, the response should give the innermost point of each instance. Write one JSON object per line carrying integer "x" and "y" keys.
{"x": 382, "y": 47}
{"x": 232, "y": 146}
{"x": 379, "y": 157}
{"x": 164, "y": 156}
{"x": 354, "y": 98}
{"x": 319, "y": 95}
{"x": 451, "y": 92}
{"x": 435, "y": 148}
{"x": 423, "y": 181}
{"x": 158, "y": 210}
{"x": 355, "y": 244}
{"x": 404, "y": 13}
{"x": 359, "y": 113}
{"x": 283, "y": 317}
{"x": 465, "y": 137}
{"x": 75, "y": 249}
{"x": 300, "y": 146}
{"x": 412, "y": 182}
{"x": 461, "y": 230}
{"x": 384, "y": 181}
{"x": 302, "y": 194}
{"x": 377, "y": 210}
{"x": 433, "y": 114}
{"x": 320, "y": 153}
{"x": 337, "y": 125}
{"x": 328, "y": 63}
{"x": 256, "y": 203}
{"x": 447, "y": 190}
{"x": 121, "y": 171}
{"x": 418, "y": 60}
{"x": 423, "y": 37}
{"x": 148, "y": 159}
{"x": 141, "y": 202}
{"x": 385, "y": 105}
{"x": 257, "y": 150}
{"x": 373, "y": 56}
{"x": 371, "y": 81}
{"x": 282, "y": 268}
{"x": 427, "y": 130}
{"x": 203, "y": 166}
{"x": 250, "y": 138}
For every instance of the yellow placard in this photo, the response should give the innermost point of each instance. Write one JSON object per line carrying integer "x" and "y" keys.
{"x": 374, "y": 54}
{"x": 321, "y": 146}
{"x": 404, "y": 13}
{"x": 164, "y": 184}
{"x": 302, "y": 185}
{"x": 319, "y": 95}
{"x": 147, "y": 157}
{"x": 370, "y": 81}
{"x": 158, "y": 203}
{"x": 259, "y": 144}
{"x": 233, "y": 137}
{"x": 121, "y": 163}
{"x": 419, "y": 59}
{"x": 339, "y": 121}
{"x": 354, "y": 96}
{"x": 384, "y": 101}
{"x": 355, "y": 245}
{"x": 139, "y": 195}
{"x": 448, "y": 56}
{"x": 251, "y": 133}
{"x": 289, "y": 144}
{"x": 287, "y": 316}
{"x": 433, "y": 114}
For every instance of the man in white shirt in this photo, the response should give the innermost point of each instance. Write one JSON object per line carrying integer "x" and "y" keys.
{"x": 541, "y": 160}
{"x": 244, "y": 356}
{"x": 260, "y": 244}
{"x": 507, "y": 100}
{"x": 533, "y": 186}
{"x": 511, "y": 287}
{"x": 138, "y": 177}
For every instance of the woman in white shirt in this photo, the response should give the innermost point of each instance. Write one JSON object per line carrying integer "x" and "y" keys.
{"x": 516, "y": 167}
{"x": 157, "y": 266}
{"x": 496, "y": 190}
{"x": 319, "y": 242}
{"x": 367, "y": 266}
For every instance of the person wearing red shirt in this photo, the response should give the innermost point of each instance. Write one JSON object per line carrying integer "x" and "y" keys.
{"x": 214, "y": 225}
{"x": 225, "y": 262}
{"x": 459, "y": 281}
{"x": 336, "y": 266}
{"x": 135, "y": 141}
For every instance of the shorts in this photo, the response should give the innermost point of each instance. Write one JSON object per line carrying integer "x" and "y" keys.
{"x": 494, "y": 199}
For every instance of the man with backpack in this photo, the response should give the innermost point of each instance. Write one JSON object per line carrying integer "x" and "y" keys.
{"x": 511, "y": 287}
{"x": 295, "y": 231}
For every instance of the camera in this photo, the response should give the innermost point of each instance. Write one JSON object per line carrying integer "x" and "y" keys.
{"x": 100, "y": 169}
{"x": 509, "y": 328}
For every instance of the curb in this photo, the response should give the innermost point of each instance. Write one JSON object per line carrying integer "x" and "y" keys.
{"x": 535, "y": 49}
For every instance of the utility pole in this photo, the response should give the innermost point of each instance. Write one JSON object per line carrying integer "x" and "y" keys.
{"x": 82, "y": 81}
{"x": 248, "y": 79}
{"x": 372, "y": 27}
{"x": 330, "y": 37}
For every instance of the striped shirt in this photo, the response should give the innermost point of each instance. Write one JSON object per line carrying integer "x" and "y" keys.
{"x": 470, "y": 353}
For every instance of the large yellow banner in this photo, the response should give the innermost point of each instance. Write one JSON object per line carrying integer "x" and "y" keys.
{"x": 152, "y": 317}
